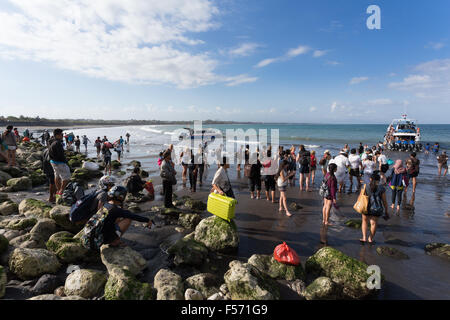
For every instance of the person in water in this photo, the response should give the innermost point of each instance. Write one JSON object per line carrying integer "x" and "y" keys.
{"x": 443, "y": 163}
{"x": 282, "y": 182}
{"x": 398, "y": 181}
{"x": 330, "y": 200}
{"x": 377, "y": 205}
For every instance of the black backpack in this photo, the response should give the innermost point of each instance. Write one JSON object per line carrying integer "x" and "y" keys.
{"x": 81, "y": 210}
{"x": 72, "y": 193}
{"x": 375, "y": 204}
{"x": 304, "y": 161}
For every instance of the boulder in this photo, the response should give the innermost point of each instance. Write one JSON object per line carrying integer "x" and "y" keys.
{"x": 4, "y": 243}
{"x": 295, "y": 206}
{"x": 347, "y": 272}
{"x": 217, "y": 234}
{"x": 67, "y": 248}
{"x": 55, "y": 297}
{"x": 391, "y": 252}
{"x": 188, "y": 252}
{"x": 38, "y": 178}
{"x": 61, "y": 215}
{"x": 32, "y": 263}
{"x": 46, "y": 284}
{"x": 189, "y": 220}
{"x": 22, "y": 223}
{"x": 85, "y": 283}
{"x": 35, "y": 165}
{"x": 122, "y": 285}
{"x": 3, "y": 282}
{"x": 298, "y": 286}
{"x": 276, "y": 270}
{"x": 115, "y": 164}
{"x": 3, "y": 197}
{"x": 192, "y": 294}
{"x": 8, "y": 208}
{"x": 206, "y": 283}
{"x": 196, "y": 205}
{"x": 135, "y": 163}
{"x": 44, "y": 229}
{"x": 31, "y": 241}
{"x": 11, "y": 234}
{"x": 245, "y": 282}
{"x": 4, "y": 177}
{"x": 123, "y": 258}
{"x": 74, "y": 163}
{"x": 13, "y": 171}
{"x": 169, "y": 285}
{"x": 20, "y": 184}
{"x": 321, "y": 289}
{"x": 438, "y": 249}
{"x": 81, "y": 174}
{"x": 32, "y": 207}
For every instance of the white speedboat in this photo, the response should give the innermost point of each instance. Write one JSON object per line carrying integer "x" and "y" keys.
{"x": 403, "y": 135}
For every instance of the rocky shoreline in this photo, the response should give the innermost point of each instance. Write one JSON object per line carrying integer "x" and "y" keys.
{"x": 190, "y": 255}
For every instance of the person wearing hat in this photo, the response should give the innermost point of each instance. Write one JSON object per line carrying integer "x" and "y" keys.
{"x": 342, "y": 168}
{"x": 324, "y": 162}
{"x": 442, "y": 163}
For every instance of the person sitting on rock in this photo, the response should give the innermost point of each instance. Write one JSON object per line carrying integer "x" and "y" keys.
{"x": 118, "y": 220}
{"x": 135, "y": 184}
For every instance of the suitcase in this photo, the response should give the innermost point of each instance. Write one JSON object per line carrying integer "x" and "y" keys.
{"x": 221, "y": 206}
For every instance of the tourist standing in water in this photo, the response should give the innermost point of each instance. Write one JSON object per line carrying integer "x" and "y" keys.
{"x": 330, "y": 200}
{"x": 313, "y": 163}
{"x": 443, "y": 163}
{"x": 128, "y": 137}
{"x": 269, "y": 169}
{"x": 254, "y": 180}
{"x": 355, "y": 170}
{"x": 77, "y": 144}
{"x": 368, "y": 166}
{"x": 377, "y": 205}
{"x": 292, "y": 168}
{"x": 98, "y": 146}
{"x": 9, "y": 139}
{"x": 304, "y": 161}
{"x": 342, "y": 169}
{"x": 282, "y": 183}
{"x": 398, "y": 180}
{"x": 106, "y": 158}
{"x": 85, "y": 142}
{"x": 193, "y": 171}
{"x": 413, "y": 172}
{"x": 325, "y": 161}
{"x": 168, "y": 175}
{"x": 185, "y": 159}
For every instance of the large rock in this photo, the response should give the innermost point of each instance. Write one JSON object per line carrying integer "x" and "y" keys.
{"x": 3, "y": 197}
{"x": 122, "y": 258}
{"x": 22, "y": 223}
{"x": 61, "y": 215}
{"x": 38, "y": 178}
{"x": 20, "y": 184}
{"x": 3, "y": 282}
{"x": 354, "y": 223}
{"x": 392, "y": 253}
{"x": 438, "y": 249}
{"x": 32, "y": 207}
{"x": 44, "y": 229}
{"x": 350, "y": 274}
{"x": 276, "y": 270}
{"x": 31, "y": 241}
{"x": 8, "y": 208}
{"x": 85, "y": 283}
{"x": 4, "y": 177}
{"x": 13, "y": 172}
{"x": 192, "y": 294}
{"x": 245, "y": 282}
{"x": 196, "y": 205}
{"x": 67, "y": 248}
{"x": 217, "y": 234}
{"x": 188, "y": 252}
{"x": 4, "y": 243}
{"x": 189, "y": 220}
{"x": 46, "y": 284}
{"x": 206, "y": 283}
{"x": 32, "y": 263}
{"x": 122, "y": 285}
{"x": 169, "y": 285}
{"x": 321, "y": 289}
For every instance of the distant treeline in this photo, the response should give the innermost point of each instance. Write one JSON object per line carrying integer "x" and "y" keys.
{"x": 35, "y": 122}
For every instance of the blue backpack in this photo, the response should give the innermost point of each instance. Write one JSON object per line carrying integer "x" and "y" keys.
{"x": 81, "y": 210}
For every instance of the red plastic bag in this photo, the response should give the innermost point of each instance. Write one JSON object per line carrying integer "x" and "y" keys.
{"x": 149, "y": 188}
{"x": 284, "y": 254}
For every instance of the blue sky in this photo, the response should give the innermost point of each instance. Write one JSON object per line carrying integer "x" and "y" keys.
{"x": 274, "y": 61}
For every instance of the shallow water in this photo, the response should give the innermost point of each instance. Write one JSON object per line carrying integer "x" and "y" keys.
{"x": 262, "y": 227}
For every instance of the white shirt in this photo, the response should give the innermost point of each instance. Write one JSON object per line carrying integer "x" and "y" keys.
{"x": 355, "y": 161}
{"x": 341, "y": 162}
{"x": 382, "y": 159}
{"x": 221, "y": 180}
{"x": 369, "y": 167}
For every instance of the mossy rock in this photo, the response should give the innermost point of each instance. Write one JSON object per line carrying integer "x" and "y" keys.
{"x": 13, "y": 171}
{"x": 189, "y": 220}
{"x": 322, "y": 288}
{"x": 188, "y": 252}
{"x": 3, "y": 282}
{"x": 144, "y": 174}
{"x": 22, "y": 223}
{"x": 9, "y": 208}
{"x": 276, "y": 270}
{"x": 67, "y": 248}
{"x": 135, "y": 163}
{"x": 354, "y": 223}
{"x": 32, "y": 263}
{"x": 4, "y": 243}
{"x": 20, "y": 184}
{"x": 438, "y": 249}
{"x": 121, "y": 173}
{"x": 115, "y": 164}
{"x": 122, "y": 285}
{"x": 217, "y": 234}
{"x": 347, "y": 272}
{"x": 33, "y": 207}
{"x": 4, "y": 177}
{"x": 38, "y": 179}
{"x": 81, "y": 174}
{"x": 74, "y": 163}
{"x": 196, "y": 205}
{"x": 392, "y": 253}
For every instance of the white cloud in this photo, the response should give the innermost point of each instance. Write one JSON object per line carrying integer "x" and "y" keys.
{"x": 435, "y": 45}
{"x": 357, "y": 80}
{"x": 244, "y": 49}
{"x": 131, "y": 41}
{"x": 332, "y": 63}
{"x": 266, "y": 62}
{"x": 297, "y": 51}
{"x": 243, "y": 78}
{"x": 319, "y": 53}
{"x": 333, "y": 106}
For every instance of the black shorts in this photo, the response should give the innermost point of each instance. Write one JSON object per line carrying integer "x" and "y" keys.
{"x": 413, "y": 175}
{"x": 354, "y": 172}
{"x": 254, "y": 183}
{"x": 50, "y": 179}
{"x": 107, "y": 161}
{"x": 269, "y": 182}
{"x": 313, "y": 168}
{"x": 304, "y": 169}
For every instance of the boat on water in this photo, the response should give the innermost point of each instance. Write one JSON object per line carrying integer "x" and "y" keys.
{"x": 403, "y": 135}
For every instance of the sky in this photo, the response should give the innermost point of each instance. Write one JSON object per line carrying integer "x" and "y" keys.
{"x": 287, "y": 61}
